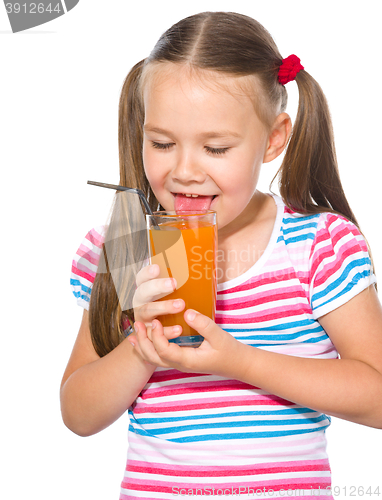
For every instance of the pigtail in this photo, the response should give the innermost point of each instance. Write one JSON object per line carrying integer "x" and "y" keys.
{"x": 124, "y": 246}
{"x": 309, "y": 179}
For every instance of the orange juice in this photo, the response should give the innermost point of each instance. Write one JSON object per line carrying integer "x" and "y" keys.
{"x": 186, "y": 250}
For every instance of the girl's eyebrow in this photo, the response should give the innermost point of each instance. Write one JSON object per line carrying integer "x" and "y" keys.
{"x": 203, "y": 135}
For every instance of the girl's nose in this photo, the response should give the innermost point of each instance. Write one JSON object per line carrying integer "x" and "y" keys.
{"x": 188, "y": 169}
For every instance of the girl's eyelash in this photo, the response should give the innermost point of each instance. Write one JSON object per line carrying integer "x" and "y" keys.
{"x": 213, "y": 151}
{"x": 216, "y": 151}
{"x": 160, "y": 145}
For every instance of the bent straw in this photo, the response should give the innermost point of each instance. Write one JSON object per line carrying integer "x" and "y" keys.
{"x": 144, "y": 201}
{"x": 123, "y": 188}
{"x": 131, "y": 190}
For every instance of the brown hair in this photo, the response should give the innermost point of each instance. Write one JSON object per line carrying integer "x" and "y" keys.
{"x": 234, "y": 45}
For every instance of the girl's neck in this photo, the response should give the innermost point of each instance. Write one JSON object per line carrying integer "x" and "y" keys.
{"x": 241, "y": 247}
{"x": 255, "y": 212}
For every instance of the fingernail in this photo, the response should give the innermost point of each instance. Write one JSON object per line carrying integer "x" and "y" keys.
{"x": 153, "y": 269}
{"x": 136, "y": 327}
{"x": 177, "y": 303}
{"x": 170, "y": 283}
{"x": 153, "y": 325}
{"x": 191, "y": 315}
{"x": 132, "y": 343}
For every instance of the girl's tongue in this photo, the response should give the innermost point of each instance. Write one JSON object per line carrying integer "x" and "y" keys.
{"x": 183, "y": 202}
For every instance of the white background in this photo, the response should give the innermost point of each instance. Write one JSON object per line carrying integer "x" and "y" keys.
{"x": 59, "y": 91}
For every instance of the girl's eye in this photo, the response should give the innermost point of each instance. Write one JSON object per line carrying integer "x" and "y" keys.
{"x": 212, "y": 151}
{"x": 160, "y": 145}
{"x": 216, "y": 151}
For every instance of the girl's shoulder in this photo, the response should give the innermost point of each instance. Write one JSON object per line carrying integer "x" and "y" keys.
{"x": 85, "y": 264}
{"x": 331, "y": 256}
{"x": 319, "y": 226}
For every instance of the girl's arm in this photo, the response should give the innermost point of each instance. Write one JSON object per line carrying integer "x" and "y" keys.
{"x": 97, "y": 391}
{"x": 348, "y": 388}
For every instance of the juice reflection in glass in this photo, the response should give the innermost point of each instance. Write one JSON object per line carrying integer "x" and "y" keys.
{"x": 184, "y": 245}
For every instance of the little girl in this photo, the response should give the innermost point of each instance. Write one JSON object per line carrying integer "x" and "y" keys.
{"x": 298, "y": 329}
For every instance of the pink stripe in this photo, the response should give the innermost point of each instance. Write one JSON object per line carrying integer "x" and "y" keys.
{"x": 163, "y": 376}
{"x": 221, "y": 471}
{"x": 129, "y": 497}
{"x": 276, "y": 313}
{"x": 83, "y": 274}
{"x": 276, "y": 485}
{"x": 192, "y": 387}
{"x": 211, "y": 402}
{"x": 95, "y": 238}
{"x": 333, "y": 235}
{"x": 343, "y": 230}
{"x": 270, "y": 278}
{"x": 304, "y": 497}
{"x": 267, "y": 465}
{"x": 328, "y": 271}
{"x": 89, "y": 255}
{"x": 260, "y": 298}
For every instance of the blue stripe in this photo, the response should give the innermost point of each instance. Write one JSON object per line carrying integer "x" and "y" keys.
{"x": 245, "y": 435}
{"x": 280, "y": 326}
{"x": 239, "y": 435}
{"x": 84, "y": 288}
{"x": 297, "y": 220}
{"x": 78, "y": 295}
{"x": 302, "y": 237}
{"x": 243, "y": 423}
{"x": 308, "y": 341}
{"x": 349, "y": 286}
{"x": 335, "y": 284}
{"x": 299, "y": 228}
{"x": 292, "y": 411}
{"x": 281, "y": 337}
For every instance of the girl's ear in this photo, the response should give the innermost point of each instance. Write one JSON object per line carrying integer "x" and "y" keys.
{"x": 278, "y": 137}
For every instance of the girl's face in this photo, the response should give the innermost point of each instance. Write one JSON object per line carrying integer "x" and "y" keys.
{"x": 200, "y": 139}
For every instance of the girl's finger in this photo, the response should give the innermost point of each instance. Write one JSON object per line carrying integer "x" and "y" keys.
{"x": 152, "y": 290}
{"x": 164, "y": 348}
{"x": 151, "y": 310}
{"x": 170, "y": 332}
{"x": 147, "y": 273}
{"x": 202, "y": 324}
{"x": 144, "y": 345}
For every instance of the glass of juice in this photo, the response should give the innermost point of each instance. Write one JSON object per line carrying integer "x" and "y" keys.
{"x": 184, "y": 245}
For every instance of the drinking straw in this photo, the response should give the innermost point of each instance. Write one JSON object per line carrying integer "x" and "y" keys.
{"x": 123, "y": 188}
{"x": 144, "y": 201}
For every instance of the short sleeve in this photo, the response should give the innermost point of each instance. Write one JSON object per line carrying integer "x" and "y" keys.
{"x": 85, "y": 264}
{"x": 340, "y": 264}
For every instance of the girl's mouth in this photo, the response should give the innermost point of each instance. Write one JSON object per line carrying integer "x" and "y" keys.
{"x": 193, "y": 201}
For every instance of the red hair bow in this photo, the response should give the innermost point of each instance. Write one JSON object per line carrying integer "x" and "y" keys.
{"x": 289, "y": 69}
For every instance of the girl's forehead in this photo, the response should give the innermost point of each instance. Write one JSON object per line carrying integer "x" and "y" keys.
{"x": 159, "y": 77}
{"x": 196, "y": 102}
{"x": 174, "y": 85}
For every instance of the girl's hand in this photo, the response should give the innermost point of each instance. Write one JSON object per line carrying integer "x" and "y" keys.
{"x": 145, "y": 301}
{"x": 219, "y": 353}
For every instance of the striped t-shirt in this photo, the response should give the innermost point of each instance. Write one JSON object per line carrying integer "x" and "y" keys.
{"x": 194, "y": 435}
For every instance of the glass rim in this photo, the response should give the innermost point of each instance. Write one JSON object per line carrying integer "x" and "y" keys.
{"x": 181, "y": 213}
